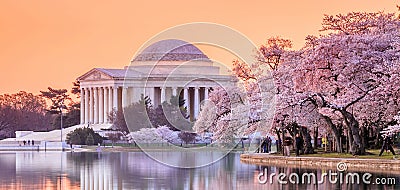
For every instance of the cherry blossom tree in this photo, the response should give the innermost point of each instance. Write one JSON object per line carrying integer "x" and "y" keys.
{"x": 346, "y": 81}
{"x": 147, "y": 135}
{"x": 169, "y": 135}
{"x": 393, "y": 129}
{"x": 348, "y": 65}
{"x": 225, "y": 114}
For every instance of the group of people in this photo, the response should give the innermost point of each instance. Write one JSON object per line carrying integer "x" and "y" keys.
{"x": 266, "y": 145}
{"x": 298, "y": 143}
{"x": 29, "y": 142}
{"x": 288, "y": 142}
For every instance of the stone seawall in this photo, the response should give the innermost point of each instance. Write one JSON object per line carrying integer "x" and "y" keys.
{"x": 39, "y": 146}
{"x": 19, "y": 148}
{"x": 353, "y": 164}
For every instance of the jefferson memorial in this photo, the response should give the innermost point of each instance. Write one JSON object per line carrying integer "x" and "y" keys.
{"x": 166, "y": 68}
{"x": 163, "y": 69}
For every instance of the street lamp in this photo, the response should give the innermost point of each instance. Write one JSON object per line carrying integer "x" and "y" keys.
{"x": 61, "y": 111}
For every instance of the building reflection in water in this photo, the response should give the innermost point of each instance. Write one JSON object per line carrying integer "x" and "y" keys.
{"x": 135, "y": 170}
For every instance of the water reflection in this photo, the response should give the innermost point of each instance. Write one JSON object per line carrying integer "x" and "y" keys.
{"x": 135, "y": 170}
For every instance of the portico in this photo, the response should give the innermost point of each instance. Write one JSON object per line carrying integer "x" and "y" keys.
{"x": 164, "y": 69}
{"x": 98, "y": 102}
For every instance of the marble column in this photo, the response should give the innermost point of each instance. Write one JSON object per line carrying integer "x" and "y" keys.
{"x": 196, "y": 102}
{"x": 174, "y": 91}
{"x": 115, "y": 98}
{"x": 87, "y": 105}
{"x": 149, "y": 91}
{"x": 96, "y": 106}
{"x": 162, "y": 95}
{"x": 186, "y": 97}
{"x": 105, "y": 101}
{"x": 91, "y": 106}
{"x": 101, "y": 105}
{"x": 82, "y": 106}
{"x": 206, "y": 93}
{"x": 110, "y": 99}
{"x": 124, "y": 97}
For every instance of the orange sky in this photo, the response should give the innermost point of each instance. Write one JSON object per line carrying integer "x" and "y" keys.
{"x": 50, "y": 43}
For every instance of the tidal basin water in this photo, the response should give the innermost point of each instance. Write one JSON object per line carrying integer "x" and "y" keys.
{"x": 135, "y": 170}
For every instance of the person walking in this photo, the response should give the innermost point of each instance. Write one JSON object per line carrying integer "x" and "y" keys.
{"x": 265, "y": 145}
{"x": 387, "y": 145}
{"x": 269, "y": 144}
{"x": 287, "y": 143}
{"x": 299, "y": 144}
{"x": 260, "y": 142}
{"x": 278, "y": 144}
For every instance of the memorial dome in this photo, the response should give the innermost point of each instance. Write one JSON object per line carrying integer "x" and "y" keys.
{"x": 171, "y": 50}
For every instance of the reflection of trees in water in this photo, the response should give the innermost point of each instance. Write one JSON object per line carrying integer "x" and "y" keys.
{"x": 135, "y": 170}
{"x": 36, "y": 170}
{"x": 78, "y": 158}
{"x": 228, "y": 173}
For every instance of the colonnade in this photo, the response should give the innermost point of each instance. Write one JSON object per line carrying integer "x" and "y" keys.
{"x": 98, "y": 102}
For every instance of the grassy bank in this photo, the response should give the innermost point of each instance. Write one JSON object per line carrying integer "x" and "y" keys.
{"x": 371, "y": 154}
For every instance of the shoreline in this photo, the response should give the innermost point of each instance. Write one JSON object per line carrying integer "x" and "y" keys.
{"x": 353, "y": 164}
{"x": 114, "y": 149}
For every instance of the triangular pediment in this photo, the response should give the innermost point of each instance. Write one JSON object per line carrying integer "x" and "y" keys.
{"x": 95, "y": 74}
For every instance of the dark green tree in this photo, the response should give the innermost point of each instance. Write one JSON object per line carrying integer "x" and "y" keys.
{"x": 75, "y": 139}
{"x": 76, "y": 88}
{"x": 58, "y": 98}
{"x": 172, "y": 114}
{"x": 89, "y": 140}
{"x": 84, "y": 134}
{"x": 117, "y": 118}
{"x": 136, "y": 115}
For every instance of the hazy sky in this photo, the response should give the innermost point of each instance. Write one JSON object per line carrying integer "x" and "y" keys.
{"x": 51, "y": 43}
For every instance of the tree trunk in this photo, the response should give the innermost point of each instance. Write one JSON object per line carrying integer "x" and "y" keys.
{"x": 315, "y": 137}
{"x": 351, "y": 122}
{"x": 364, "y": 137}
{"x": 378, "y": 137}
{"x": 279, "y": 143}
{"x": 307, "y": 140}
{"x": 350, "y": 140}
{"x": 336, "y": 133}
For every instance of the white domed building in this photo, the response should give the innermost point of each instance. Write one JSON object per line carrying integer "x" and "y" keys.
{"x": 165, "y": 68}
